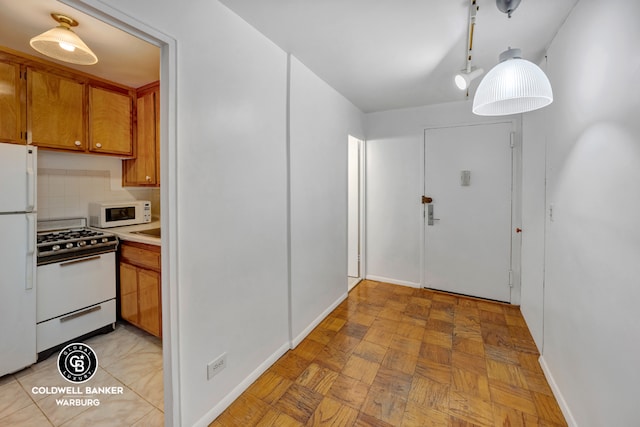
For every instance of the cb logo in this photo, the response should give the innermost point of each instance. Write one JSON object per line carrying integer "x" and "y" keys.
{"x": 77, "y": 363}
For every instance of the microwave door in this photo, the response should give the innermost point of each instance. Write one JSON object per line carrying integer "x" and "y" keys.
{"x": 120, "y": 214}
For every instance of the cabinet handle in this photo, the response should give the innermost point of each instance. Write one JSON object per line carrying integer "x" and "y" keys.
{"x": 77, "y": 261}
{"x": 98, "y": 145}
{"x": 78, "y": 143}
{"x": 148, "y": 178}
{"x": 80, "y": 313}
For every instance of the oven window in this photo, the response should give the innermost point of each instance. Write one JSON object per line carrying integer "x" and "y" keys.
{"x": 120, "y": 214}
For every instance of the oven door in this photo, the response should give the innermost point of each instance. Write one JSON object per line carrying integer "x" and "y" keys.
{"x": 71, "y": 285}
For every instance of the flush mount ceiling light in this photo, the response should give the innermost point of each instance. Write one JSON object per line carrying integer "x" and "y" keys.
{"x": 513, "y": 86}
{"x": 63, "y": 44}
{"x": 463, "y": 78}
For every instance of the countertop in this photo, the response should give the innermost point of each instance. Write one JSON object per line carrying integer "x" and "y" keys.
{"x": 125, "y": 233}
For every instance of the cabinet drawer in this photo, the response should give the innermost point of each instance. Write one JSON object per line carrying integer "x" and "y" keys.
{"x": 140, "y": 256}
{"x": 56, "y": 331}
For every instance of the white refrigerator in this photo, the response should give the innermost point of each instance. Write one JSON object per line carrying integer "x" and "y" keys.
{"x": 18, "y": 168}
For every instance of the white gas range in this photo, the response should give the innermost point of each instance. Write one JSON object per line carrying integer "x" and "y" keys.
{"x": 76, "y": 283}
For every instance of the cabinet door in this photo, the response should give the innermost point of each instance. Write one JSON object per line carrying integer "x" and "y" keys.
{"x": 149, "y": 301}
{"x": 10, "y": 105}
{"x": 144, "y": 169}
{"x": 129, "y": 292}
{"x": 110, "y": 119}
{"x": 55, "y": 111}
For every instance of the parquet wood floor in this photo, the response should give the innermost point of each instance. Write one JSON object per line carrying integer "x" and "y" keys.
{"x": 396, "y": 356}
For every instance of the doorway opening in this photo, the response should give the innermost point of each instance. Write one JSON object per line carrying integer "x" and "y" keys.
{"x": 355, "y": 218}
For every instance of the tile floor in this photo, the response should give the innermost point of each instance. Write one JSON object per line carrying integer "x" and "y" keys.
{"x": 128, "y": 358}
{"x": 393, "y": 356}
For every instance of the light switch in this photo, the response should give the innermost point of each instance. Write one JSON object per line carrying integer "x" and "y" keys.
{"x": 465, "y": 178}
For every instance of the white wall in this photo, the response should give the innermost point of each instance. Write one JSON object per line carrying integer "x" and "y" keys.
{"x": 231, "y": 185}
{"x": 533, "y": 222}
{"x": 321, "y": 120}
{"x": 591, "y": 293}
{"x": 239, "y": 170}
{"x": 394, "y": 177}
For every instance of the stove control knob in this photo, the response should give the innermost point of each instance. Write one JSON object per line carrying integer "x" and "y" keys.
{"x": 105, "y": 240}
{"x": 55, "y": 247}
{"x": 68, "y": 245}
{"x": 81, "y": 243}
{"x": 94, "y": 241}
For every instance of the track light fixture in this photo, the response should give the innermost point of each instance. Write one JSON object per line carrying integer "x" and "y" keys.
{"x": 463, "y": 78}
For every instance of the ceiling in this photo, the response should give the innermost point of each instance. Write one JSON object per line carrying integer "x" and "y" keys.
{"x": 386, "y": 54}
{"x": 380, "y": 54}
{"x": 122, "y": 58}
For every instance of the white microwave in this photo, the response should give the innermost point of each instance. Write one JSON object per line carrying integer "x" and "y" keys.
{"x": 116, "y": 214}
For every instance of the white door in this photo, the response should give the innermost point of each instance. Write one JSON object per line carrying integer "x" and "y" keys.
{"x": 468, "y": 174}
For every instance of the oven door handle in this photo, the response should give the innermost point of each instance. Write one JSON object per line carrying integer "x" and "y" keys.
{"x": 80, "y": 313}
{"x": 76, "y": 261}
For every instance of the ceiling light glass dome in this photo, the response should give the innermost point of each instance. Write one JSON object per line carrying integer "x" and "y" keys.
{"x": 513, "y": 86}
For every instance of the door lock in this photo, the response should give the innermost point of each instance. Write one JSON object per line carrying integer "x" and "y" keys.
{"x": 430, "y": 219}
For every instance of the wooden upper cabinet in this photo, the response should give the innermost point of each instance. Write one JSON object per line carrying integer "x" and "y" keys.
{"x": 55, "y": 107}
{"x": 11, "y": 107}
{"x": 110, "y": 122}
{"x": 55, "y": 111}
{"x": 144, "y": 170}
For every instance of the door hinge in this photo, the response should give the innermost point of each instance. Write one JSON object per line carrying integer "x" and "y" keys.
{"x": 511, "y": 278}
{"x": 512, "y": 139}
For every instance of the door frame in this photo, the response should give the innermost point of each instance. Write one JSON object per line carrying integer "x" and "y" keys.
{"x": 516, "y": 200}
{"x": 361, "y": 206}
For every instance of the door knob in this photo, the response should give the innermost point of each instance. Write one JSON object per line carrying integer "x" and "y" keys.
{"x": 426, "y": 200}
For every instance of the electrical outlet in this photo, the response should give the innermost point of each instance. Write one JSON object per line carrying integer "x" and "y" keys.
{"x": 215, "y": 366}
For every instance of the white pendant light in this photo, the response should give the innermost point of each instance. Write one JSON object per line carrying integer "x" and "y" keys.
{"x": 63, "y": 44}
{"x": 513, "y": 86}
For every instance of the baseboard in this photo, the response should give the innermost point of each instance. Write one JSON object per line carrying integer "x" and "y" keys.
{"x": 240, "y": 388}
{"x": 393, "y": 281}
{"x": 298, "y": 339}
{"x": 571, "y": 421}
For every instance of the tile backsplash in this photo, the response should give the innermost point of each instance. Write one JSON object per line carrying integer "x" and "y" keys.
{"x": 65, "y": 192}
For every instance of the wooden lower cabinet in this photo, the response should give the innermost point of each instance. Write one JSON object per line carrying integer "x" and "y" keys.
{"x": 140, "y": 286}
